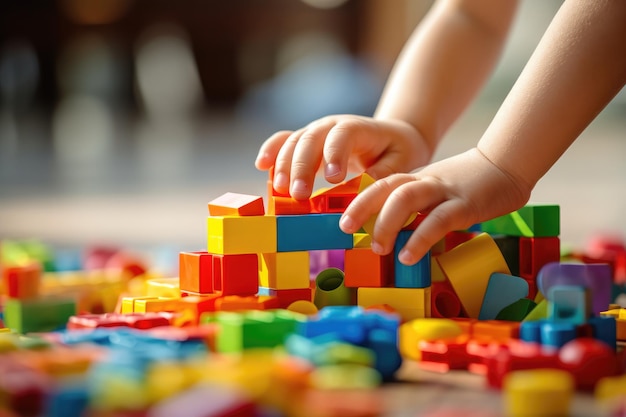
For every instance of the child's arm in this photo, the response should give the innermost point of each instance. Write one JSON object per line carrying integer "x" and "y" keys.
{"x": 578, "y": 67}
{"x": 441, "y": 68}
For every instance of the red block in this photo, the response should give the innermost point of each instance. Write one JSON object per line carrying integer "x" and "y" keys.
{"x": 364, "y": 268}
{"x": 331, "y": 203}
{"x": 199, "y": 304}
{"x": 196, "y": 272}
{"x": 286, "y": 297}
{"x": 444, "y": 301}
{"x": 22, "y": 281}
{"x": 535, "y": 252}
{"x": 444, "y": 355}
{"x": 134, "y": 320}
{"x": 236, "y": 274}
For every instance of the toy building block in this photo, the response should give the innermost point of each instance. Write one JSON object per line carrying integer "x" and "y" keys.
{"x": 517, "y": 310}
{"x": 444, "y": 355}
{"x": 310, "y": 232}
{"x": 569, "y": 303}
{"x": 251, "y": 302}
{"x": 409, "y": 303}
{"x": 361, "y": 240}
{"x": 330, "y": 289}
{"x": 163, "y": 287}
{"x": 595, "y": 277}
{"x": 540, "y": 312}
{"x": 509, "y": 246}
{"x": 604, "y": 328}
{"x": 427, "y": 329}
{"x": 410, "y": 276}
{"x": 307, "y": 308}
{"x": 157, "y": 305}
{"x": 445, "y": 303}
{"x": 206, "y": 400}
{"x": 364, "y": 268}
{"x": 495, "y": 330}
{"x": 22, "y": 281}
{"x": 233, "y": 204}
{"x": 557, "y": 334}
{"x": 532, "y": 220}
{"x": 457, "y": 237}
{"x": 196, "y": 272}
{"x": 284, "y": 270}
{"x": 589, "y": 360}
{"x": 538, "y": 393}
{"x": 236, "y": 274}
{"x": 287, "y": 205}
{"x": 241, "y": 235}
{"x": 37, "y": 315}
{"x": 502, "y": 290}
{"x": 535, "y": 252}
{"x": 469, "y": 266}
{"x": 337, "y": 198}
{"x": 289, "y": 296}
{"x": 254, "y": 329}
{"x": 128, "y": 303}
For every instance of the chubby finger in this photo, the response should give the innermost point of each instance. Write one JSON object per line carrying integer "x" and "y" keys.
{"x": 339, "y": 145}
{"x": 269, "y": 150}
{"x": 306, "y": 159}
{"x": 445, "y": 217}
{"x": 370, "y": 201}
{"x": 406, "y": 199}
{"x": 282, "y": 166}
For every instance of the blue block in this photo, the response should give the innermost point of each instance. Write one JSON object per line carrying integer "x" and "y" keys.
{"x": 502, "y": 291}
{"x": 310, "y": 232}
{"x": 569, "y": 303}
{"x": 530, "y": 331}
{"x": 387, "y": 356}
{"x": 557, "y": 334}
{"x": 605, "y": 329}
{"x": 263, "y": 291}
{"x": 413, "y": 276}
{"x": 67, "y": 401}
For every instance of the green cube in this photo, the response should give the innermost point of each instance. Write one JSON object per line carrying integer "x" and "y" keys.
{"x": 532, "y": 220}
{"x": 39, "y": 315}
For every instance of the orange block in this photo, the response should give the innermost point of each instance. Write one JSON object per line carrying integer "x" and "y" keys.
{"x": 196, "y": 272}
{"x": 234, "y": 204}
{"x": 364, "y": 268}
{"x": 198, "y": 304}
{"x": 496, "y": 330}
{"x": 253, "y": 302}
{"x": 22, "y": 282}
{"x": 288, "y": 205}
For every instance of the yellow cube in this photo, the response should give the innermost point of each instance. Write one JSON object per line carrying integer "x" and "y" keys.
{"x": 538, "y": 393}
{"x": 284, "y": 270}
{"x": 410, "y": 303}
{"x": 239, "y": 235}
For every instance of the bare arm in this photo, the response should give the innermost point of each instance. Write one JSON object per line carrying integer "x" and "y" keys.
{"x": 444, "y": 64}
{"x": 577, "y": 68}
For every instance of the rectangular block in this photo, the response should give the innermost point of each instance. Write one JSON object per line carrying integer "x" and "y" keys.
{"x": 236, "y": 274}
{"x": 410, "y": 303}
{"x": 38, "y": 315}
{"x": 310, "y": 232}
{"x": 239, "y": 235}
{"x": 410, "y": 276}
{"x": 196, "y": 272}
{"x": 22, "y": 281}
{"x": 234, "y": 204}
{"x": 364, "y": 268}
{"x": 128, "y": 303}
{"x": 157, "y": 305}
{"x": 284, "y": 270}
{"x": 535, "y": 252}
{"x": 532, "y": 220}
{"x": 287, "y": 297}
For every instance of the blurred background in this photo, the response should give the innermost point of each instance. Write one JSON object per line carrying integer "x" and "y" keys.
{"x": 121, "y": 119}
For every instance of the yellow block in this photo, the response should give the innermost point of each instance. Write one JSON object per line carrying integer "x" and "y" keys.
{"x": 361, "y": 240}
{"x": 409, "y": 303}
{"x": 165, "y": 379}
{"x": 163, "y": 287}
{"x": 303, "y": 307}
{"x": 245, "y": 234}
{"x": 611, "y": 391}
{"x": 284, "y": 270}
{"x": 538, "y": 393}
{"x": 429, "y": 329}
{"x": 469, "y": 267}
{"x": 156, "y": 305}
{"x": 128, "y": 303}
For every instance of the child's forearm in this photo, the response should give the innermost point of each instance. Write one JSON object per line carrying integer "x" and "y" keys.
{"x": 444, "y": 64}
{"x": 578, "y": 67}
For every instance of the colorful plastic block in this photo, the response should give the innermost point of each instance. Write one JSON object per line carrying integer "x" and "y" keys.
{"x": 22, "y": 282}
{"x": 364, "y": 268}
{"x": 409, "y": 303}
{"x": 233, "y": 204}
{"x": 196, "y": 272}
{"x": 469, "y": 266}
{"x": 517, "y": 311}
{"x": 532, "y": 220}
{"x": 502, "y": 290}
{"x": 241, "y": 235}
{"x": 251, "y": 302}
{"x": 569, "y": 303}
{"x": 163, "y": 287}
{"x": 288, "y": 297}
{"x": 534, "y": 253}
{"x": 427, "y": 329}
{"x": 538, "y": 393}
{"x": 509, "y": 246}
{"x": 444, "y": 355}
{"x": 589, "y": 360}
{"x": 310, "y": 232}
{"x": 495, "y": 330}
{"x": 284, "y": 270}
{"x": 330, "y": 289}
{"x": 157, "y": 305}
{"x": 236, "y": 274}
{"x": 37, "y": 315}
{"x": 410, "y": 276}
{"x": 278, "y": 205}
{"x": 445, "y": 302}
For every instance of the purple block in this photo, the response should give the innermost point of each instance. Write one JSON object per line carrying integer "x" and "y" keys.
{"x": 595, "y": 277}
{"x": 320, "y": 260}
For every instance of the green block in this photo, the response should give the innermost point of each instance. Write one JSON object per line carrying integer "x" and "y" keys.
{"x": 254, "y": 329}
{"x": 532, "y": 220}
{"x": 538, "y": 313}
{"x": 41, "y": 315}
{"x": 516, "y": 311}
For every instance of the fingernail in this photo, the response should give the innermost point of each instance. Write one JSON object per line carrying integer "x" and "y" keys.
{"x": 299, "y": 187}
{"x": 347, "y": 224}
{"x": 280, "y": 181}
{"x": 405, "y": 257}
{"x": 377, "y": 248}
{"x": 332, "y": 170}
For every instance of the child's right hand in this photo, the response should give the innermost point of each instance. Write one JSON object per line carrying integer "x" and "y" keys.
{"x": 339, "y": 144}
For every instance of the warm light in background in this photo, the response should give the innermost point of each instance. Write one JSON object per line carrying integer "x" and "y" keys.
{"x": 95, "y": 12}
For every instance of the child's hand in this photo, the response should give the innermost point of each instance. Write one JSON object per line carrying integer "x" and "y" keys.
{"x": 338, "y": 144}
{"x": 456, "y": 193}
